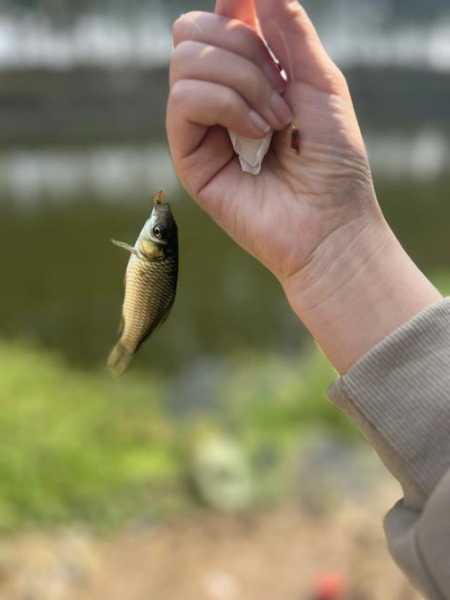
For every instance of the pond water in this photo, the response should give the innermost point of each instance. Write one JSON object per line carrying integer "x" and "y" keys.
{"x": 64, "y": 278}
{"x": 64, "y": 287}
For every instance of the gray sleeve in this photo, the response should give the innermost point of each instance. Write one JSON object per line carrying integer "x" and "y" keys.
{"x": 399, "y": 396}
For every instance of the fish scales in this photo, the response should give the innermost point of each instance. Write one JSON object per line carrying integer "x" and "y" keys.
{"x": 150, "y": 283}
{"x": 148, "y": 296}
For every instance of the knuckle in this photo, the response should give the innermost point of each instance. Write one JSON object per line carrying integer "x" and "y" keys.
{"x": 182, "y": 57}
{"x": 238, "y": 28}
{"x": 183, "y": 27}
{"x": 179, "y": 29}
{"x": 337, "y": 79}
{"x": 294, "y": 10}
{"x": 184, "y": 51}
{"x": 179, "y": 94}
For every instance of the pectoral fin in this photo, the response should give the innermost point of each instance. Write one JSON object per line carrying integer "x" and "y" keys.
{"x": 126, "y": 247}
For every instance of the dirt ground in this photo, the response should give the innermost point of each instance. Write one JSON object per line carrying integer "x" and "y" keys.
{"x": 273, "y": 555}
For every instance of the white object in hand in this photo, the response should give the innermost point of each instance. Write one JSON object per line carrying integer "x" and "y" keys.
{"x": 251, "y": 152}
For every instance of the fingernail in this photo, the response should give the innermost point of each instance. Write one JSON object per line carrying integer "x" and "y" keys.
{"x": 281, "y": 109}
{"x": 259, "y": 122}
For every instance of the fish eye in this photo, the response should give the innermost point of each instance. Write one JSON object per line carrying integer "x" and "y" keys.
{"x": 157, "y": 232}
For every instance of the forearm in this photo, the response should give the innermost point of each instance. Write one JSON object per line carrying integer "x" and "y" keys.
{"x": 399, "y": 396}
{"x": 358, "y": 288}
{"x": 383, "y": 324}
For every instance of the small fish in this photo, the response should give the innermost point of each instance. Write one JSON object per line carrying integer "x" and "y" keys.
{"x": 150, "y": 283}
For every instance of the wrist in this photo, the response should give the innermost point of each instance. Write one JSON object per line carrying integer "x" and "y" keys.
{"x": 358, "y": 288}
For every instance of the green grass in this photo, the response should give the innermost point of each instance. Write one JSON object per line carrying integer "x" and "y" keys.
{"x": 79, "y": 446}
{"x": 276, "y": 398}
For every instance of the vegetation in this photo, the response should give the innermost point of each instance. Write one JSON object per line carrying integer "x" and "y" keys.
{"x": 81, "y": 447}
{"x": 76, "y": 446}
{"x": 231, "y": 401}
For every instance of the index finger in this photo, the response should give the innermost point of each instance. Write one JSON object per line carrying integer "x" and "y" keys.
{"x": 244, "y": 10}
{"x": 293, "y": 38}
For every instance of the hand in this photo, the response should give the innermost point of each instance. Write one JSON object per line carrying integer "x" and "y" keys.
{"x": 312, "y": 219}
{"x": 222, "y": 76}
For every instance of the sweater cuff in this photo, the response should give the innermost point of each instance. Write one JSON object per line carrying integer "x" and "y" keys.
{"x": 401, "y": 389}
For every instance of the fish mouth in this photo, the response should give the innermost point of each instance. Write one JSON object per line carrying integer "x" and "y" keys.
{"x": 160, "y": 229}
{"x": 159, "y": 199}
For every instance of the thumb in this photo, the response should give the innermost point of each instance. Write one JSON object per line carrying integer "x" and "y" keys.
{"x": 292, "y": 37}
{"x": 244, "y": 10}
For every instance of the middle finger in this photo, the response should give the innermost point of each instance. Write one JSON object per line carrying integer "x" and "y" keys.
{"x": 229, "y": 34}
{"x": 193, "y": 60}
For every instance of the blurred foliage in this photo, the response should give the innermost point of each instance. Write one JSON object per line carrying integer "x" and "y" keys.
{"x": 272, "y": 398}
{"x": 418, "y": 212}
{"x": 441, "y": 280}
{"x": 75, "y": 446}
{"x": 82, "y": 447}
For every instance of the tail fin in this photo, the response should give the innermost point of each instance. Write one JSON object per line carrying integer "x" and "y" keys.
{"x": 119, "y": 359}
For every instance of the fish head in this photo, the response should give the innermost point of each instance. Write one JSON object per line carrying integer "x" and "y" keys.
{"x": 159, "y": 236}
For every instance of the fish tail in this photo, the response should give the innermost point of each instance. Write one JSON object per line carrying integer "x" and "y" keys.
{"x": 119, "y": 359}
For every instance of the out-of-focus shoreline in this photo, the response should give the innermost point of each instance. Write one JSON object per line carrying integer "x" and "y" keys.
{"x": 96, "y": 105}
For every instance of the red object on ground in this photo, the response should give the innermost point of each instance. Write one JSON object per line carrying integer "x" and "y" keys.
{"x": 330, "y": 587}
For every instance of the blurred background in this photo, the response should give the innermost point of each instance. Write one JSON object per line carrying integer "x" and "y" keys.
{"x": 215, "y": 469}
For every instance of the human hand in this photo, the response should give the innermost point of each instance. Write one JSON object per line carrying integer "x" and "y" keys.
{"x": 312, "y": 219}
{"x": 220, "y": 73}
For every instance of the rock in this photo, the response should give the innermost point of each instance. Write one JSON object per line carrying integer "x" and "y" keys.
{"x": 222, "y": 474}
